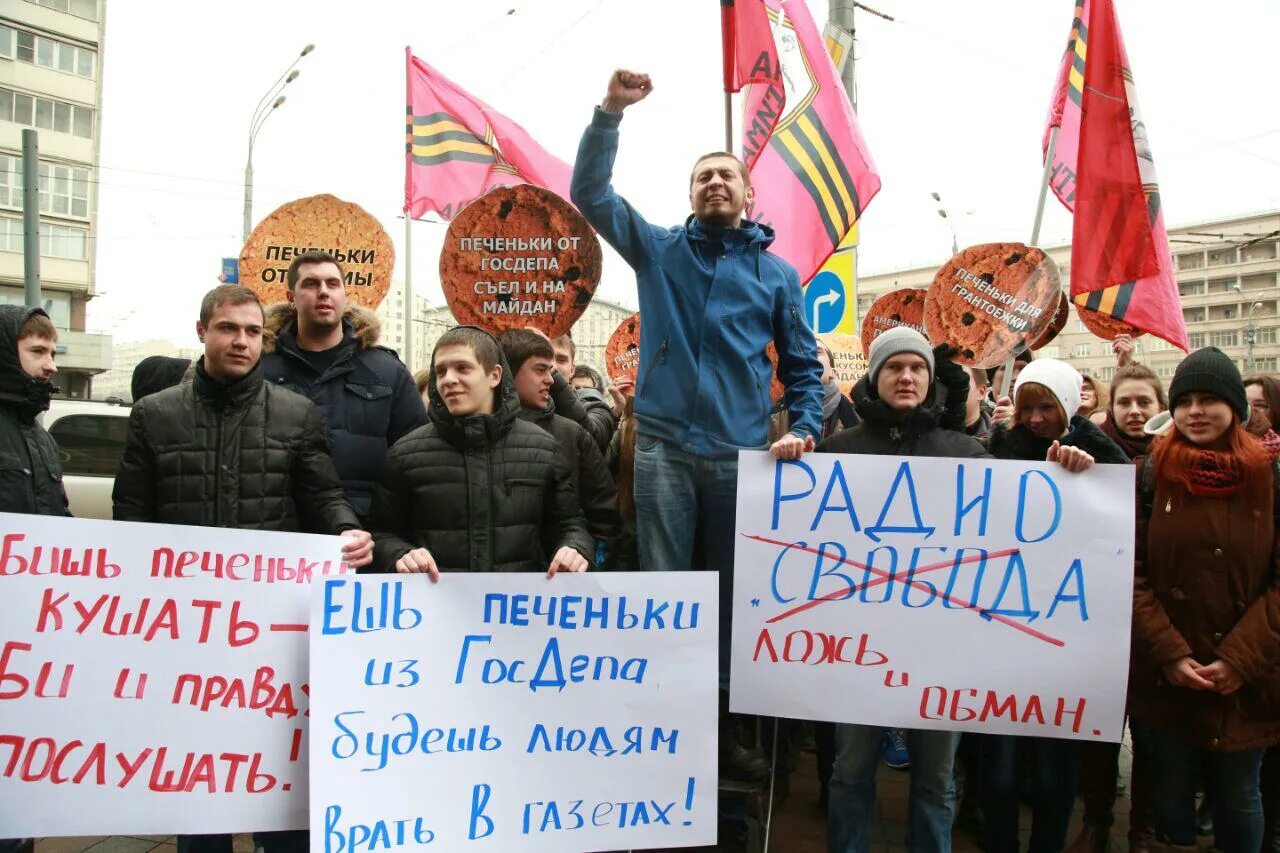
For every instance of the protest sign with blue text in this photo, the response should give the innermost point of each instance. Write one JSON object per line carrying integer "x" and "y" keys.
{"x": 153, "y": 676}
{"x": 498, "y": 712}
{"x": 979, "y": 595}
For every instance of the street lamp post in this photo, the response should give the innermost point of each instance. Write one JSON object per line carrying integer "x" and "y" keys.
{"x": 1250, "y": 332}
{"x": 268, "y": 104}
{"x": 942, "y": 211}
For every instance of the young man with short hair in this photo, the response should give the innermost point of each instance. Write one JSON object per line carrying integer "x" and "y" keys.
{"x": 326, "y": 348}
{"x": 30, "y": 466}
{"x": 588, "y": 410}
{"x": 529, "y": 356}
{"x": 477, "y": 489}
{"x": 228, "y": 449}
{"x": 899, "y": 418}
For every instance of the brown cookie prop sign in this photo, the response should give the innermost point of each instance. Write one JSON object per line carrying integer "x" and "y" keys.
{"x": 847, "y": 359}
{"x": 517, "y": 257}
{"x": 1056, "y": 325}
{"x": 991, "y": 300}
{"x": 1104, "y": 325}
{"x": 341, "y": 228}
{"x": 903, "y": 307}
{"x": 622, "y": 352}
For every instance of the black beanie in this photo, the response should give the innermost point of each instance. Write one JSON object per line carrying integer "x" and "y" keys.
{"x": 1210, "y": 371}
{"x": 156, "y": 373}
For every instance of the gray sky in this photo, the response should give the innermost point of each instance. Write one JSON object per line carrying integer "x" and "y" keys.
{"x": 952, "y": 98}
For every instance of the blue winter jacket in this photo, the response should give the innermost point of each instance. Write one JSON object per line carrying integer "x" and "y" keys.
{"x": 711, "y": 300}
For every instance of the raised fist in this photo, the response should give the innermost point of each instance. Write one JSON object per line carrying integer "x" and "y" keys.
{"x": 625, "y": 89}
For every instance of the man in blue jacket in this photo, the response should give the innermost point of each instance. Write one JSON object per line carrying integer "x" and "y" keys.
{"x": 712, "y": 298}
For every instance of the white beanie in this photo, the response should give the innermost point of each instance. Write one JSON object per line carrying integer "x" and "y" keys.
{"x": 1062, "y": 380}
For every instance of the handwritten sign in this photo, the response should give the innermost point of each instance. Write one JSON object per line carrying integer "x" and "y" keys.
{"x": 496, "y": 712}
{"x": 153, "y": 677}
{"x": 978, "y": 595}
{"x": 520, "y": 256}
{"x": 344, "y": 229}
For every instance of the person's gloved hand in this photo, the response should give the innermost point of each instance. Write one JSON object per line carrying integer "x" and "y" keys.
{"x": 954, "y": 380}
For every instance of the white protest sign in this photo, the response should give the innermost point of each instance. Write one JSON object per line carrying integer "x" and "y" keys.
{"x": 977, "y": 595}
{"x": 152, "y": 678}
{"x": 499, "y": 712}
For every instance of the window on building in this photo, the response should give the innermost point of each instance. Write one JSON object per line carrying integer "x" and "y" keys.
{"x": 1105, "y": 373}
{"x": 46, "y": 114}
{"x": 1049, "y": 351}
{"x": 1224, "y": 339}
{"x": 1195, "y": 340}
{"x": 1191, "y": 261}
{"x": 1224, "y": 312}
{"x": 1158, "y": 345}
{"x": 1080, "y": 351}
{"x": 1265, "y": 336}
{"x": 90, "y": 445}
{"x": 10, "y": 234}
{"x": 1221, "y": 257}
{"x": 47, "y": 52}
{"x": 64, "y": 190}
{"x": 1263, "y": 251}
{"x": 1193, "y": 315}
{"x": 79, "y": 8}
{"x": 1191, "y": 288}
{"x": 1264, "y": 365}
{"x": 56, "y": 241}
{"x": 1165, "y": 371}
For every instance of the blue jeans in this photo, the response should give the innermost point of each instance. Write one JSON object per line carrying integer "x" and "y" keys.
{"x": 683, "y": 500}
{"x": 1056, "y": 777}
{"x": 1232, "y": 784}
{"x": 931, "y": 809}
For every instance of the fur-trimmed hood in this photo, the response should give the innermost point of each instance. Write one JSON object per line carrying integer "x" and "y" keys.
{"x": 360, "y": 322}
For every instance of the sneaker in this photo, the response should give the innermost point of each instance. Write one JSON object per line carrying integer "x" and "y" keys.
{"x": 896, "y": 755}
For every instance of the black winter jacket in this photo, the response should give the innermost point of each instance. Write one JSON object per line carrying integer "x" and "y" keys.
{"x": 591, "y": 413}
{"x": 247, "y": 455}
{"x": 597, "y": 494}
{"x": 30, "y": 462}
{"x": 482, "y": 493}
{"x": 886, "y": 433}
{"x": 367, "y": 399}
{"x": 1022, "y": 443}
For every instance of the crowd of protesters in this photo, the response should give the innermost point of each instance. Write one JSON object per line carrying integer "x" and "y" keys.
{"x": 507, "y": 455}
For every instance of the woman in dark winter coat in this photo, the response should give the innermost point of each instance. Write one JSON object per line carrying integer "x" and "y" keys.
{"x": 1044, "y": 427}
{"x": 1206, "y": 609}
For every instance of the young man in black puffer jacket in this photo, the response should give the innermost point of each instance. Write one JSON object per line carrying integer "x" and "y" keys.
{"x": 477, "y": 489}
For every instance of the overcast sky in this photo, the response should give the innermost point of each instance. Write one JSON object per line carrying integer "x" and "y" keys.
{"x": 952, "y": 98}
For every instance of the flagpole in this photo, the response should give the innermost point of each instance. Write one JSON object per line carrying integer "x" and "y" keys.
{"x": 408, "y": 291}
{"x": 1007, "y": 379}
{"x": 728, "y": 122}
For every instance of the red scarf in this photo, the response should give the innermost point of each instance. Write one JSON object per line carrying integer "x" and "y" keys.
{"x": 1217, "y": 474}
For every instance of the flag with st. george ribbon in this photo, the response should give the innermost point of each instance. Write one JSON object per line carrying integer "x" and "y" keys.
{"x": 457, "y": 147}
{"x": 1103, "y": 171}
{"x": 812, "y": 173}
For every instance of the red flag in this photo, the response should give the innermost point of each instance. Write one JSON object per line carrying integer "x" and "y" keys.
{"x": 457, "y": 148}
{"x": 812, "y": 173}
{"x": 748, "y": 49}
{"x": 1103, "y": 170}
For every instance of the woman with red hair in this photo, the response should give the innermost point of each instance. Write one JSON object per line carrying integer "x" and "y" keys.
{"x": 1206, "y": 609}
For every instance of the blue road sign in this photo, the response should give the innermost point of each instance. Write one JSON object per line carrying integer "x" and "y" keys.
{"x": 824, "y": 302}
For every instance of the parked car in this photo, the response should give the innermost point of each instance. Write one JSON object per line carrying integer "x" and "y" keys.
{"x": 90, "y": 436}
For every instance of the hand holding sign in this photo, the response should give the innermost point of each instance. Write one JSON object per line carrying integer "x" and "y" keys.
{"x": 520, "y": 256}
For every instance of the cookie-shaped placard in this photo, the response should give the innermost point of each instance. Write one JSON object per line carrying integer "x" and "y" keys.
{"x": 1056, "y": 325}
{"x": 343, "y": 229}
{"x": 622, "y": 352}
{"x": 519, "y": 256}
{"x": 1104, "y": 325}
{"x": 903, "y": 307}
{"x": 847, "y": 359}
{"x": 991, "y": 300}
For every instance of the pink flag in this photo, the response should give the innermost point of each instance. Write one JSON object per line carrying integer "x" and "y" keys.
{"x": 748, "y": 50}
{"x": 1103, "y": 171}
{"x": 812, "y": 173}
{"x": 457, "y": 148}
